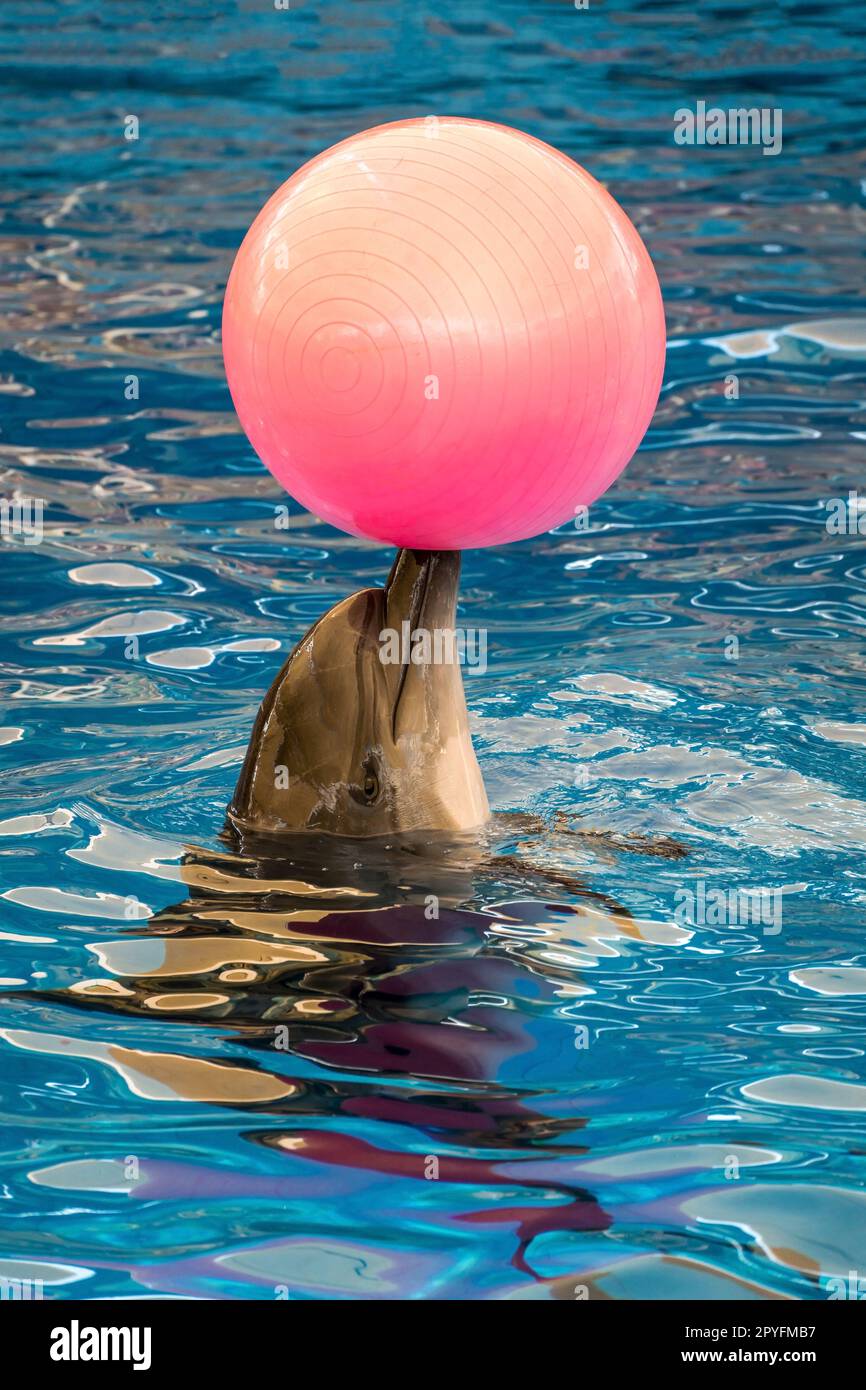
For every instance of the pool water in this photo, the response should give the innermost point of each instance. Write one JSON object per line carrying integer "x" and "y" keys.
{"x": 598, "y": 1072}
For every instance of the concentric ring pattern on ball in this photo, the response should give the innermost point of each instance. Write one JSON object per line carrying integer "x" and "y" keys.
{"x": 443, "y": 333}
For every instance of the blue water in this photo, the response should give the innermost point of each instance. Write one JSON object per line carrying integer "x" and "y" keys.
{"x": 561, "y": 1089}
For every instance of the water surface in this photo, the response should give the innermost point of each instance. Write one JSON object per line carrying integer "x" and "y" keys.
{"x": 222, "y": 1078}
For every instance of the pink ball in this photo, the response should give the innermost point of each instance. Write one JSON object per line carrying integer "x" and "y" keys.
{"x": 443, "y": 333}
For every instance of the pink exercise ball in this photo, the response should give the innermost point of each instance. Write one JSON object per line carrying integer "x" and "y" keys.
{"x": 443, "y": 333}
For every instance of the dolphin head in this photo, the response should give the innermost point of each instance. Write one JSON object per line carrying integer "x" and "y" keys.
{"x": 355, "y": 739}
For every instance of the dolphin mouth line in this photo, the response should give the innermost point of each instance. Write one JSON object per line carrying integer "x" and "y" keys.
{"x": 419, "y": 593}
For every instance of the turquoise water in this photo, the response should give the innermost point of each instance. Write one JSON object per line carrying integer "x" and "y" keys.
{"x": 221, "y": 1079}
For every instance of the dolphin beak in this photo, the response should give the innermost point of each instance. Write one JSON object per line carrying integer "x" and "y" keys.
{"x": 420, "y": 591}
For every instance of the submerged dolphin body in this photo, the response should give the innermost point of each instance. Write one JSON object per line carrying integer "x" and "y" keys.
{"x": 349, "y": 744}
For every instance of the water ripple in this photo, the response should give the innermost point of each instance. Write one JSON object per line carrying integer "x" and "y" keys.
{"x": 229, "y": 1077}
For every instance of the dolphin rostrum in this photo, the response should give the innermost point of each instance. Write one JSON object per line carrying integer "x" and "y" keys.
{"x": 353, "y": 743}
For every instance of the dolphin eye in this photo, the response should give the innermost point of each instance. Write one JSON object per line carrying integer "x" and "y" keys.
{"x": 367, "y": 790}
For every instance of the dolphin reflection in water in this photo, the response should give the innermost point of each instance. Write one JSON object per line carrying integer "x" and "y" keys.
{"x": 454, "y": 1022}
{"x": 342, "y": 926}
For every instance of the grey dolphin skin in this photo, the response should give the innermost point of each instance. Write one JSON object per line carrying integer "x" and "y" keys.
{"x": 348, "y": 743}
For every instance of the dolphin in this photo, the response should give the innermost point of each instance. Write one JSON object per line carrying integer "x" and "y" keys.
{"x": 351, "y": 742}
